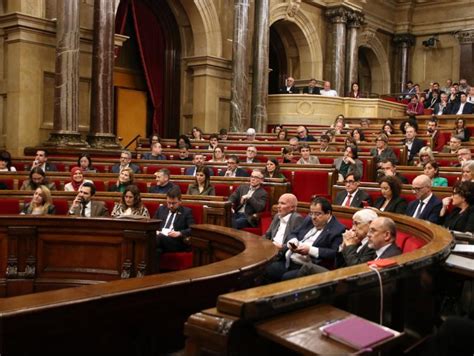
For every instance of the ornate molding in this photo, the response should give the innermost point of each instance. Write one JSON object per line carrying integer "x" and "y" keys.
{"x": 465, "y": 36}
{"x": 103, "y": 140}
{"x": 338, "y": 14}
{"x": 367, "y": 35}
{"x": 404, "y": 39}
{"x": 126, "y": 269}
{"x": 355, "y": 19}
{"x": 66, "y": 139}
{"x": 293, "y": 8}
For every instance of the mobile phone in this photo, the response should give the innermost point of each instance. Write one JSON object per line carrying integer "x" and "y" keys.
{"x": 293, "y": 245}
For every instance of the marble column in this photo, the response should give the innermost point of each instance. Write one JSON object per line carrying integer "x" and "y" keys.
{"x": 102, "y": 104}
{"x": 66, "y": 89}
{"x": 404, "y": 42}
{"x": 466, "y": 41}
{"x": 260, "y": 66}
{"x": 355, "y": 20}
{"x": 239, "y": 102}
{"x": 338, "y": 18}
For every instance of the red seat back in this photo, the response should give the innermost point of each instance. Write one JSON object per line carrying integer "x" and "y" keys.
{"x": 62, "y": 206}
{"x": 10, "y": 206}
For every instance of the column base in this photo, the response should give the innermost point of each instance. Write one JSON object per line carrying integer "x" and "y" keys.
{"x": 103, "y": 140}
{"x": 65, "y": 139}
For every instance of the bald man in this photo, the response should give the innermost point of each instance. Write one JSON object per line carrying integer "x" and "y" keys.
{"x": 285, "y": 221}
{"x": 426, "y": 206}
{"x": 464, "y": 155}
{"x": 381, "y": 235}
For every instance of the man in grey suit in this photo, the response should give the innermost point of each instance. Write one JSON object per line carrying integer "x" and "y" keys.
{"x": 382, "y": 234}
{"x": 285, "y": 221}
{"x": 353, "y": 196}
{"x": 84, "y": 206}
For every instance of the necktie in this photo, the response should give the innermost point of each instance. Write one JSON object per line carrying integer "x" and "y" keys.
{"x": 170, "y": 220}
{"x": 348, "y": 201}
{"x": 83, "y": 209}
{"x": 418, "y": 212}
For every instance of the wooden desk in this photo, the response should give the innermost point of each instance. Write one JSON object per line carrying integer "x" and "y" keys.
{"x": 299, "y": 331}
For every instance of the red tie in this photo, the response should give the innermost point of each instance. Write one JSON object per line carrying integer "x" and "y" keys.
{"x": 348, "y": 201}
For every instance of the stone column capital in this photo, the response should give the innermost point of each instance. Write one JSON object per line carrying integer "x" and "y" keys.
{"x": 404, "y": 39}
{"x": 355, "y": 19}
{"x": 465, "y": 36}
{"x": 338, "y": 14}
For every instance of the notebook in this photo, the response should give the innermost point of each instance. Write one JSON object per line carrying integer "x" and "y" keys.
{"x": 357, "y": 332}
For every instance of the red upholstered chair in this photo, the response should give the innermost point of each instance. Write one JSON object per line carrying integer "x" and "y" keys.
{"x": 222, "y": 190}
{"x": 8, "y": 182}
{"x": 62, "y": 206}
{"x": 142, "y": 187}
{"x": 100, "y": 185}
{"x": 10, "y": 206}
{"x": 305, "y": 184}
{"x": 413, "y": 243}
{"x": 401, "y": 239}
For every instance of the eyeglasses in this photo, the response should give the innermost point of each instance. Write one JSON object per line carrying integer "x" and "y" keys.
{"x": 315, "y": 214}
{"x": 349, "y": 181}
{"x": 417, "y": 189}
{"x": 256, "y": 177}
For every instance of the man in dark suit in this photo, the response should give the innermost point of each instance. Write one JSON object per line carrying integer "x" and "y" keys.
{"x": 462, "y": 107}
{"x": 442, "y": 107}
{"x": 41, "y": 160}
{"x": 84, "y": 206}
{"x": 247, "y": 201}
{"x": 316, "y": 240}
{"x": 233, "y": 169}
{"x": 382, "y": 234}
{"x": 389, "y": 168}
{"x": 125, "y": 162}
{"x": 289, "y": 87}
{"x": 303, "y": 134}
{"x": 175, "y": 225}
{"x": 285, "y": 221}
{"x": 163, "y": 184}
{"x": 426, "y": 206}
{"x": 412, "y": 143}
{"x": 198, "y": 161}
{"x": 353, "y": 196}
{"x": 312, "y": 88}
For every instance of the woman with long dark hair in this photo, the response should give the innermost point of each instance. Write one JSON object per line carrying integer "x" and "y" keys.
{"x": 130, "y": 204}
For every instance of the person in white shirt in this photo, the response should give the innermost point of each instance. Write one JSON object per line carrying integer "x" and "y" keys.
{"x": 327, "y": 91}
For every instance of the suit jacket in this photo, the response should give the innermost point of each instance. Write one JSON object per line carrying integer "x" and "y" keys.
{"x": 357, "y": 199}
{"x": 132, "y": 166}
{"x": 49, "y": 167}
{"x": 190, "y": 171}
{"x": 183, "y": 221}
{"x": 460, "y": 221}
{"x": 350, "y": 257}
{"x": 438, "y": 141}
{"x": 239, "y": 172}
{"x": 294, "y": 221}
{"x": 194, "y": 190}
{"x": 308, "y": 138}
{"x": 396, "y": 205}
{"x": 256, "y": 204}
{"x": 316, "y": 90}
{"x": 356, "y": 168}
{"x": 161, "y": 190}
{"x": 98, "y": 208}
{"x": 467, "y": 109}
{"x": 328, "y": 241}
{"x": 392, "y": 251}
{"x": 430, "y": 212}
{"x": 415, "y": 148}
{"x": 446, "y": 109}
{"x": 292, "y": 90}
{"x": 387, "y": 153}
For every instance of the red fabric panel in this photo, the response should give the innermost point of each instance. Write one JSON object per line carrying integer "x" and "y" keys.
{"x": 62, "y": 206}
{"x": 10, "y": 206}
{"x": 309, "y": 183}
{"x": 413, "y": 243}
{"x": 175, "y": 261}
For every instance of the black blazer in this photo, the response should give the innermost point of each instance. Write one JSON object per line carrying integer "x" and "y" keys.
{"x": 397, "y": 205}
{"x": 292, "y": 90}
{"x": 316, "y": 90}
{"x": 182, "y": 222}
{"x": 430, "y": 212}
{"x": 467, "y": 109}
{"x": 239, "y": 172}
{"x": 415, "y": 148}
{"x": 459, "y": 222}
{"x": 132, "y": 166}
{"x": 350, "y": 257}
{"x": 256, "y": 204}
{"x": 392, "y": 251}
{"x": 356, "y": 201}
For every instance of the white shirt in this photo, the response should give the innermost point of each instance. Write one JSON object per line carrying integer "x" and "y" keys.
{"x": 461, "y": 107}
{"x": 425, "y": 201}
{"x": 329, "y": 92}
{"x": 280, "y": 234}
{"x": 381, "y": 250}
{"x": 352, "y": 197}
{"x": 308, "y": 240}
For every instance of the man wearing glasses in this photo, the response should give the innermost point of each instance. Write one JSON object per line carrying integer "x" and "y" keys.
{"x": 247, "y": 201}
{"x": 233, "y": 169}
{"x": 175, "y": 226}
{"x": 316, "y": 240}
{"x": 125, "y": 162}
{"x": 251, "y": 156}
{"x": 303, "y": 134}
{"x": 426, "y": 206}
{"x": 353, "y": 196}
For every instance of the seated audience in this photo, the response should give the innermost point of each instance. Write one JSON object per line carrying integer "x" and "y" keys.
{"x": 414, "y": 107}
{"x": 285, "y": 220}
{"x": 354, "y": 93}
{"x": 250, "y": 134}
{"x": 327, "y": 91}
{"x": 247, "y": 201}
{"x": 381, "y": 235}
{"x": 407, "y": 123}
{"x": 358, "y": 135}
{"x": 156, "y": 153}
{"x": 41, "y": 203}
{"x": 233, "y": 169}
{"x": 6, "y": 162}
{"x": 218, "y": 155}
{"x": 77, "y": 178}
{"x": 431, "y": 169}
{"x": 426, "y": 206}
{"x": 125, "y": 178}
{"x": 196, "y": 134}
{"x": 183, "y": 154}
{"x": 289, "y": 87}
{"x": 85, "y": 163}
{"x": 349, "y": 141}
{"x": 467, "y": 174}
{"x": 364, "y": 123}
{"x": 272, "y": 169}
{"x": 461, "y": 131}
{"x": 464, "y": 155}
{"x": 389, "y": 168}
{"x": 202, "y": 184}
{"x": 462, "y": 107}
{"x": 41, "y": 161}
{"x": 277, "y": 128}
{"x": 294, "y": 143}
{"x": 382, "y": 151}
{"x": 198, "y": 161}
{"x": 251, "y": 155}
{"x": 312, "y": 88}
{"x": 436, "y": 136}
{"x": 461, "y": 217}
{"x": 426, "y": 155}
{"x": 84, "y": 205}
{"x": 316, "y": 240}
{"x": 353, "y": 195}
{"x": 454, "y": 145}
{"x": 130, "y": 204}
{"x": 442, "y": 107}
{"x": 37, "y": 177}
{"x": 349, "y": 163}
{"x": 432, "y": 99}
{"x": 303, "y": 134}
{"x": 390, "y": 201}
{"x": 282, "y": 135}
{"x": 213, "y": 142}
{"x": 287, "y": 155}
{"x": 183, "y": 140}
{"x": 175, "y": 224}
{"x": 125, "y": 162}
{"x": 388, "y": 129}
{"x": 223, "y": 136}
{"x": 324, "y": 144}
{"x": 163, "y": 184}
{"x": 154, "y": 139}
{"x": 306, "y": 157}
{"x": 412, "y": 143}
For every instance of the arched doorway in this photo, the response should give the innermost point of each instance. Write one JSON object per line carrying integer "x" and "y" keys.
{"x": 277, "y": 62}
{"x": 155, "y": 54}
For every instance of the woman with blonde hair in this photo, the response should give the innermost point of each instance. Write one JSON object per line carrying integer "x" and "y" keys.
{"x": 130, "y": 204}
{"x": 426, "y": 155}
{"x": 41, "y": 203}
{"x": 125, "y": 178}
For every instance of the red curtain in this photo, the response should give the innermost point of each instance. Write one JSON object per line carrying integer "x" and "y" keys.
{"x": 151, "y": 45}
